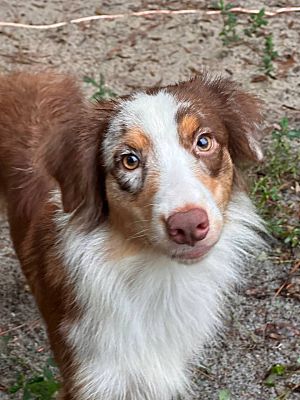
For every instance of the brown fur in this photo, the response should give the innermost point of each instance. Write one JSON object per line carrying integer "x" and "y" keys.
{"x": 187, "y": 127}
{"x": 50, "y": 136}
{"x": 229, "y": 112}
{"x": 122, "y": 208}
{"x": 221, "y": 185}
{"x": 219, "y": 165}
{"x": 137, "y": 139}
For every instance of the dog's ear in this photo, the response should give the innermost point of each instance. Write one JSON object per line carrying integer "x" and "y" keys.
{"x": 242, "y": 115}
{"x": 71, "y": 153}
{"x": 71, "y": 158}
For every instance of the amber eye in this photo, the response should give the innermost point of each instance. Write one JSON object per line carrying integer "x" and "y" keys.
{"x": 204, "y": 143}
{"x": 130, "y": 161}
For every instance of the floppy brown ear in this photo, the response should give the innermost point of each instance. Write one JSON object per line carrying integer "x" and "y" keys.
{"x": 244, "y": 124}
{"x": 71, "y": 159}
{"x": 71, "y": 153}
{"x": 242, "y": 115}
{"x": 243, "y": 119}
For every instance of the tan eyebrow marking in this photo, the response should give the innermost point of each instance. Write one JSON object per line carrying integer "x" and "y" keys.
{"x": 136, "y": 138}
{"x": 187, "y": 127}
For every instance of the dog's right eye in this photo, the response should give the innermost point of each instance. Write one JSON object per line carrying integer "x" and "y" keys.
{"x": 204, "y": 143}
{"x": 130, "y": 161}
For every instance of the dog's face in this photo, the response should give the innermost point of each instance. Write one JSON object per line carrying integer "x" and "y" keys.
{"x": 169, "y": 157}
{"x": 170, "y": 169}
{"x": 169, "y": 174}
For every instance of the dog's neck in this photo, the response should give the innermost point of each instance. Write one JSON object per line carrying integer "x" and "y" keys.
{"x": 146, "y": 301}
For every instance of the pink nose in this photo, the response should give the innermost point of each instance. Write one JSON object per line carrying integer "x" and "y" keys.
{"x": 188, "y": 227}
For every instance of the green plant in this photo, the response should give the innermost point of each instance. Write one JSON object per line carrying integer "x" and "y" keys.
{"x": 257, "y": 21}
{"x": 287, "y": 373}
{"x": 270, "y": 54}
{"x": 102, "y": 92}
{"x": 228, "y": 33}
{"x": 273, "y": 183}
{"x": 224, "y": 394}
{"x": 276, "y": 371}
{"x": 42, "y": 386}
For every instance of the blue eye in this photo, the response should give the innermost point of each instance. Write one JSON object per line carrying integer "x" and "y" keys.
{"x": 204, "y": 143}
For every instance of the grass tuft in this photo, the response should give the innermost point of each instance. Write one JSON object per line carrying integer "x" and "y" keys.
{"x": 102, "y": 91}
{"x": 42, "y": 386}
{"x": 224, "y": 394}
{"x": 270, "y": 54}
{"x": 230, "y": 21}
{"x": 275, "y": 371}
{"x": 274, "y": 189}
{"x": 257, "y": 21}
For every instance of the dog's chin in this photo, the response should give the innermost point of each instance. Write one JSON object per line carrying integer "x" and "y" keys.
{"x": 191, "y": 256}
{"x": 185, "y": 254}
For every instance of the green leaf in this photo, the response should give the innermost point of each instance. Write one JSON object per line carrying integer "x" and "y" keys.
{"x": 35, "y": 379}
{"x": 39, "y": 387}
{"x": 48, "y": 373}
{"x": 278, "y": 369}
{"x": 26, "y": 394}
{"x": 51, "y": 362}
{"x": 5, "y": 339}
{"x": 270, "y": 381}
{"x": 102, "y": 91}
{"x": 18, "y": 385}
{"x": 90, "y": 80}
{"x": 293, "y": 134}
{"x": 224, "y": 394}
{"x": 229, "y": 6}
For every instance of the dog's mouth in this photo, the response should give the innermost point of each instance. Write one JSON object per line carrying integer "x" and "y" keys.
{"x": 192, "y": 255}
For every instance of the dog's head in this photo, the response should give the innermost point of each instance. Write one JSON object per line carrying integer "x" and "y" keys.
{"x": 161, "y": 164}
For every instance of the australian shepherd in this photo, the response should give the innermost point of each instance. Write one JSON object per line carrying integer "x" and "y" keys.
{"x": 131, "y": 223}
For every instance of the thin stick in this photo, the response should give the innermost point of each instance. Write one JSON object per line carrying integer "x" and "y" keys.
{"x": 294, "y": 269}
{"x": 280, "y": 290}
{"x": 15, "y": 328}
{"x": 237, "y": 10}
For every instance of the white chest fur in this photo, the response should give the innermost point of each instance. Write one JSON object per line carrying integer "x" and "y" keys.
{"x": 145, "y": 317}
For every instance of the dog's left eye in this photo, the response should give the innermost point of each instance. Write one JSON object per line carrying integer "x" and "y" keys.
{"x": 204, "y": 143}
{"x": 130, "y": 161}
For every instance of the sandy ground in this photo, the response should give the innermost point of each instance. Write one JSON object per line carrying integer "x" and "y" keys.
{"x": 138, "y": 52}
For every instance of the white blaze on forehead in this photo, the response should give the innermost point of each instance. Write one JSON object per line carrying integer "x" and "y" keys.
{"x": 155, "y": 115}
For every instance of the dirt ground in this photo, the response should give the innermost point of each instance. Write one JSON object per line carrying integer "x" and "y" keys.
{"x": 132, "y": 53}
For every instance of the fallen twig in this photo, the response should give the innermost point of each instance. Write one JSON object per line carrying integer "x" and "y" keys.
{"x": 284, "y": 285}
{"x": 237, "y": 10}
{"x": 33, "y": 323}
{"x": 280, "y": 290}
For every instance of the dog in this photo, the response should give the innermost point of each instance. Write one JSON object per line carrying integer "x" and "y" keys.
{"x": 131, "y": 222}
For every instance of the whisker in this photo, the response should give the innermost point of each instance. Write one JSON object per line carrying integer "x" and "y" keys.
{"x": 136, "y": 237}
{"x": 139, "y": 234}
{"x": 28, "y": 169}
